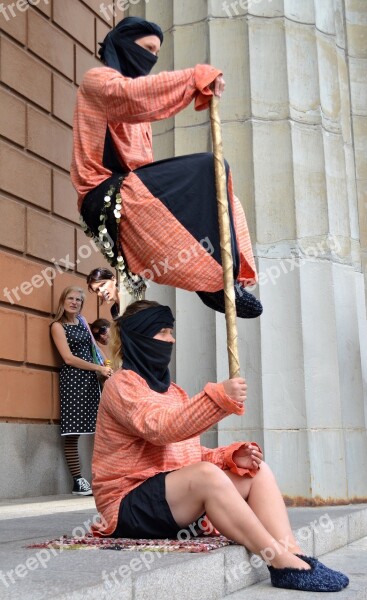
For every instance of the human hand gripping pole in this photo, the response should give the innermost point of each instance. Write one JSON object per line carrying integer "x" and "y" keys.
{"x": 225, "y": 240}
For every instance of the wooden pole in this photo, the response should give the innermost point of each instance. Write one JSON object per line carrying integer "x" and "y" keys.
{"x": 225, "y": 240}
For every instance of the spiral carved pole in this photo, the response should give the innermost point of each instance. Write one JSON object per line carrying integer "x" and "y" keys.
{"x": 225, "y": 240}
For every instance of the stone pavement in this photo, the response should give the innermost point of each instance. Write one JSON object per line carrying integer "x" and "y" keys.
{"x": 44, "y": 574}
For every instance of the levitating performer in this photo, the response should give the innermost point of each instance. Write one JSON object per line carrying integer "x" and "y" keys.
{"x": 159, "y": 219}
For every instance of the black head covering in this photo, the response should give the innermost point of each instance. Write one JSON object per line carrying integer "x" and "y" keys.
{"x": 119, "y": 51}
{"x": 144, "y": 355}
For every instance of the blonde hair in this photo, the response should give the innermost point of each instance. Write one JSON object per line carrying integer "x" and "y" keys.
{"x": 115, "y": 342}
{"x": 60, "y": 309}
{"x": 116, "y": 346}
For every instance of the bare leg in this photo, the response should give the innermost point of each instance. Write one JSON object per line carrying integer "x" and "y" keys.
{"x": 260, "y": 492}
{"x": 203, "y": 487}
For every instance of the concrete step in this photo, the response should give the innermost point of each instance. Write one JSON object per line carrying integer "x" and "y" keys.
{"x": 110, "y": 575}
{"x": 351, "y": 559}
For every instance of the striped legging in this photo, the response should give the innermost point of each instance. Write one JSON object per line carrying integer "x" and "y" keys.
{"x": 72, "y": 455}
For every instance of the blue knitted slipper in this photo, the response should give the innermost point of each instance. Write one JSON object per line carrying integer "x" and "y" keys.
{"x": 344, "y": 580}
{"x": 317, "y": 579}
{"x": 247, "y": 305}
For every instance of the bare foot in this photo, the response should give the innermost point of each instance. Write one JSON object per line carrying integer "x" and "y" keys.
{"x": 287, "y": 559}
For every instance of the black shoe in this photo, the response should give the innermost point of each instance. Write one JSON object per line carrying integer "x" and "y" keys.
{"x": 247, "y": 306}
{"x": 81, "y": 487}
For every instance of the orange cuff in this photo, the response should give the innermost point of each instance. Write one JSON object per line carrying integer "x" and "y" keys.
{"x": 216, "y": 392}
{"x": 204, "y": 75}
{"x": 228, "y": 459}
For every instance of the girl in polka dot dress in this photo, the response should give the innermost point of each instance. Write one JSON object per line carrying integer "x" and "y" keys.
{"x": 78, "y": 383}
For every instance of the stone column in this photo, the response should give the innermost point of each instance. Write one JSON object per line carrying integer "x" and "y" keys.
{"x": 295, "y": 133}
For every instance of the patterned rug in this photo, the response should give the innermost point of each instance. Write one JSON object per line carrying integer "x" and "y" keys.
{"x": 88, "y": 542}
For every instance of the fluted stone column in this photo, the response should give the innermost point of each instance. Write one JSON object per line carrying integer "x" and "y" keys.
{"x": 294, "y": 121}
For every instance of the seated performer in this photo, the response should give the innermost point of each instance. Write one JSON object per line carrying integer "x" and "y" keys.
{"x": 155, "y": 220}
{"x": 153, "y": 479}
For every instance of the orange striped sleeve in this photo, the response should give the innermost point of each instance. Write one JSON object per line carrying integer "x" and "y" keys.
{"x": 156, "y": 97}
{"x": 204, "y": 76}
{"x": 149, "y": 417}
{"x": 247, "y": 273}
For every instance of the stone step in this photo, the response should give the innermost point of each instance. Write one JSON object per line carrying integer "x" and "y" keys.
{"x": 112, "y": 575}
{"x": 319, "y": 531}
{"x": 351, "y": 559}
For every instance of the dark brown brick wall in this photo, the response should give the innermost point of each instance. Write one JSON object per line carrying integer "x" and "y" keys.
{"x": 44, "y": 52}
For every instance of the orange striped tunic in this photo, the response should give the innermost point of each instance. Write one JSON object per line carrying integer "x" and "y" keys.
{"x": 127, "y": 107}
{"x": 140, "y": 433}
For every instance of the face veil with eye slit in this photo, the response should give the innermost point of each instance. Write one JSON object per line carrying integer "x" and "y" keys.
{"x": 142, "y": 353}
{"x": 119, "y": 50}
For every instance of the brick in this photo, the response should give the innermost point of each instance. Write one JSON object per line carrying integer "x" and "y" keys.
{"x": 122, "y": 11}
{"x": 88, "y": 254}
{"x": 95, "y": 5}
{"x": 25, "y": 393}
{"x": 25, "y": 74}
{"x": 26, "y": 282}
{"x": 44, "y": 6}
{"x": 49, "y": 139}
{"x": 12, "y": 227}
{"x": 101, "y": 31}
{"x": 48, "y": 238}
{"x": 76, "y": 20}
{"x": 24, "y": 176}
{"x": 55, "y": 415}
{"x": 40, "y": 350}
{"x": 50, "y": 44}
{"x": 64, "y": 197}
{"x": 84, "y": 62}
{"x": 90, "y": 308}
{"x": 12, "y": 339}
{"x": 15, "y": 26}
{"x": 62, "y": 281}
{"x": 12, "y": 118}
{"x": 64, "y": 96}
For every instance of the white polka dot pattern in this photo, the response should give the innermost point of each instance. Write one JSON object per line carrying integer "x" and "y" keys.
{"x": 79, "y": 389}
